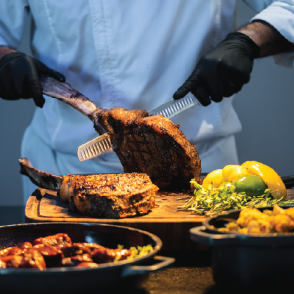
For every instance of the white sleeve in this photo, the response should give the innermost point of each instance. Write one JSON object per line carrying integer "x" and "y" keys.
{"x": 279, "y": 14}
{"x": 12, "y": 21}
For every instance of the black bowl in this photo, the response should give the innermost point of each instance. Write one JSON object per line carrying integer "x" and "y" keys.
{"x": 250, "y": 261}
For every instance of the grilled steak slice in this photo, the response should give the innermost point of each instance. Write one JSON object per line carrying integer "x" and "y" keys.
{"x": 114, "y": 195}
{"x": 147, "y": 144}
{"x": 105, "y": 195}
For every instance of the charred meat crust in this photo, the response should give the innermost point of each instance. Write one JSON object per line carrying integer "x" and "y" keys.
{"x": 114, "y": 196}
{"x": 153, "y": 145}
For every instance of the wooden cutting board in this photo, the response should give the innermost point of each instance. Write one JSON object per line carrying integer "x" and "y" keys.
{"x": 170, "y": 225}
{"x": 165, "y": 221}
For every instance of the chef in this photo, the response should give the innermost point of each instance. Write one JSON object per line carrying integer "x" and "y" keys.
{"x": 136, "y": 54}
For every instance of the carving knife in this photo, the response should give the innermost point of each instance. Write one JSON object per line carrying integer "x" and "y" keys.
{"x": 103, "y": 144}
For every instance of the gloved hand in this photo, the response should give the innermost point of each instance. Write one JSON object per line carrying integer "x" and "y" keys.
{"x": 19, "y": 77}
{"x": 222, "y": 71}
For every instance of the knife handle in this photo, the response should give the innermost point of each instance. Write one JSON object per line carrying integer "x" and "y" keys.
{"x": 288, "y": 181}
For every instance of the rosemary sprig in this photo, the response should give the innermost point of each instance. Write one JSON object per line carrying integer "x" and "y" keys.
{"x": 213, "y": 201}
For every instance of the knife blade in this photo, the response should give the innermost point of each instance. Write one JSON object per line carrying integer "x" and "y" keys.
{"x": 102, "y": 144}
{"x": 174, "y": 107}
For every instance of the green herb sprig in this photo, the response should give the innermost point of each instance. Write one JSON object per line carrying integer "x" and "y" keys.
{"x": 213, "y": 201}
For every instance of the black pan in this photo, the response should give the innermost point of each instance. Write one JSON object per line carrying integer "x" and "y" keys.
{"x": 79, "y": 280}
{"x": 250, "y": 261}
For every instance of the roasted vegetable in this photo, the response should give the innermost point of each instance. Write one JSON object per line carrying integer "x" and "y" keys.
{"x": 270, "y": 177}
{"x": 253, "y": 221}
{"x": 215, "y": 177}
{"x": 231, "y": 172}
{"x": 250, "y": 184}
{"x": 228, "y": 174}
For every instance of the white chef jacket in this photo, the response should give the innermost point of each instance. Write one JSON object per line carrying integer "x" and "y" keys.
{"x": 133, "y": 54}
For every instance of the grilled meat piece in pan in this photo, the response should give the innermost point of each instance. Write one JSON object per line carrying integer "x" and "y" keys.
{"x": 104, "y": 195}
{"x": 58, "y": 250}
{"x": 56, "y": 240}
{"x": 145, "y": 144}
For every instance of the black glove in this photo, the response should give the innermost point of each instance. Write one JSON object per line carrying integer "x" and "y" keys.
{"x": 222, "y": 71}
{"x": 19, "y": 77}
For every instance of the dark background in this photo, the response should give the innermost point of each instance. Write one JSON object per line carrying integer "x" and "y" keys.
{"x": 265, "y": 107}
